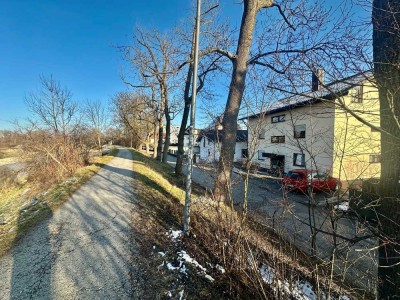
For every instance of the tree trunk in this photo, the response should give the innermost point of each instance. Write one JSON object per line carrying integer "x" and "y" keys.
{"x": 236, "y": 90}
{"x": 164, "y": 95}
{"x": 99, "y": 143}
{"x": 160, "y": 139}
{"x": 155, "y": 145}
{"x": 185, "y": 117}
{"x": 167, "y": 135}
{"x": 386, "y": 47}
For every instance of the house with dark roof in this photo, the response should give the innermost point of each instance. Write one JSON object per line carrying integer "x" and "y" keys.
{"x": 323, "y": 130}
{"x": 186, "y": 141}
{"x": 209, "y": 142}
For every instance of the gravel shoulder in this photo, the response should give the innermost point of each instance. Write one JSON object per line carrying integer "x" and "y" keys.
{"x": 85, "y": 249}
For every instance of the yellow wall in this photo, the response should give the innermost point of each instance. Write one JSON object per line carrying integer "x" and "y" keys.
{"x": 354, "y": 142}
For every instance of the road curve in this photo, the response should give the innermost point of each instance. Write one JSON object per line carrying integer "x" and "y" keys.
{"x": 84, "y": 251}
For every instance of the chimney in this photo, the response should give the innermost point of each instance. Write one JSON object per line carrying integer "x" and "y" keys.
{"x": 317, "y": 80}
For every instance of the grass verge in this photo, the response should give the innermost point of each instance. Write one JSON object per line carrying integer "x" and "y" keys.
{"x": 156, "y": 217}
{"x": 26, "y": 205}
{"x": 217, "y": 239}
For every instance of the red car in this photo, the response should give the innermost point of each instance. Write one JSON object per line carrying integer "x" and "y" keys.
{"x": 308, "y": 181}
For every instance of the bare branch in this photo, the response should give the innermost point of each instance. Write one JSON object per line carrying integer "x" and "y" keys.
{"x": 210, "y": 9}
{"x": 270, "y": 66}
{"x": 265, "y": 4}
{"x": 254, "y": 59}
{"x": 283, "y": 15}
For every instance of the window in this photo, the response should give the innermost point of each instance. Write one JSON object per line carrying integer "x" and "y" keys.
{"x": 299, "y": 131}
{"x": 277, "y": 139}
{"x": 299, "y": 160}
{"x": 358, "y": 95}
{"x": 204, "y": 141}
{"x": 276, "y": 119}
{"x": 375, "y": 158}
{"x": 261, "y": 135}
{"x": 245, "y": 153}
{"x": 262, "y": 155}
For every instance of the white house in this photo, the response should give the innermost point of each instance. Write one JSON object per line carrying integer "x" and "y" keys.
{"x": 317, "y": 130}
{"x": 173, "y": 139}
{"x": 209, "y": 141}
{"x": 195, "y": 143}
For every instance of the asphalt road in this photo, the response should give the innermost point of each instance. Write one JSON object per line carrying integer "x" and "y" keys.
{"x": 288, "y": 214}
{"x": 85, "y": 250}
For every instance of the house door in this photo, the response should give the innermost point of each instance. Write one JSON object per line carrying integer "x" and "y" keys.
{"x": 278, "y": 164}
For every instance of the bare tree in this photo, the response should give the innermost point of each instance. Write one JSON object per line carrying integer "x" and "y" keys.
{"x": 291, "y": 38}
{"x": 153, "y": 57}
{"x": 97, "y": 117}
{"x": 52, "y": 143}
{"x": 53, "y": 106}
{"x": 236, "y": 90}
{"x": 132, "y": 112}
{"x": 386, "y": 45}
{"x": 212, "y": 34}
{"x": 241, "y": 60}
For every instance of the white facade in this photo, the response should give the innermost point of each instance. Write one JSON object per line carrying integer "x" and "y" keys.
{"x": 316, "y": 132}
{"x": 174, "y": 134}
{"x": 210, "y": 150}
{"x": 277, "y": 144}
{"x": 186, "y": 141}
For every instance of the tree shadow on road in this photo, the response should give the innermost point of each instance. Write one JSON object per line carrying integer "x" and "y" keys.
{"x": 32, "y": 256}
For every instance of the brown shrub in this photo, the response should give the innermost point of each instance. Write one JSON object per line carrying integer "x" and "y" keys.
{"x": 51, "y": 158}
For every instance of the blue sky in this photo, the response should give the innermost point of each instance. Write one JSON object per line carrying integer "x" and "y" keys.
{"x": 74, "y": 42}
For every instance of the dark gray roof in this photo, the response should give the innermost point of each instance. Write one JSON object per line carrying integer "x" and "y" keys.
{"x": 218, "y": 136}
{"x": 327, "y": 92}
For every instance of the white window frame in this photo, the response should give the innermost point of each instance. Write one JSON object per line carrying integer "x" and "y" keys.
{"x": 280, "y": 139}
{"x": 296, "y": 159}
{"x": 278, "y": 119}
{"x": 299, "y": 136}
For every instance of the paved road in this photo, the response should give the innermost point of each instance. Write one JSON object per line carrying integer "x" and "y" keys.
{"x": 288, "y": 214}
{"x": 84, "y": 251}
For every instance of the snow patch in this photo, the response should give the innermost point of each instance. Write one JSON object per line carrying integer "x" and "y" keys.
{"x": 181, "y": 295}
{"x": 174, "y": 234}
{"x": 162, "y": 254}
{"x": 220, "y": 268}
{"x": 183, "y": 269}
{"x": 209, "y": 278}
{"x": 307, "y": 290}
{"x": 344, "y": 206}
{"x": 301, "y": 290}
{"x": 171, "y": 267}
{"x": 186, "y": 257}
{"x": 267, "y": 274}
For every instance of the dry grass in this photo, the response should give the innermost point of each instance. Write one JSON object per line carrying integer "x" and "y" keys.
{"x": 219, "y": 236}
{"x": 10, "y": 156}
{"x": 26, "y": 204}
{"x": 9, "y": 153}
{"x": 159, "y": 209}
